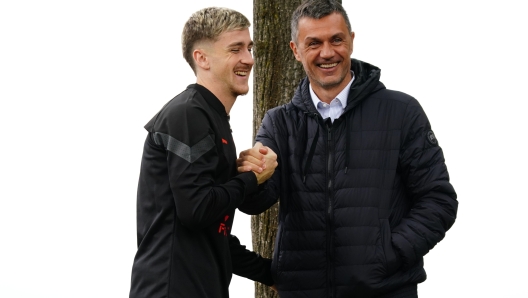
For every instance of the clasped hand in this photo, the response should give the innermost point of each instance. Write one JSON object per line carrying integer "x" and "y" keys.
{"x": 260, "y": 159}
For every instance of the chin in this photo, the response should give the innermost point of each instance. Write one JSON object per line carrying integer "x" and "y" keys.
{"x": 329, "y": 83}
{"x": 241, "y": 91}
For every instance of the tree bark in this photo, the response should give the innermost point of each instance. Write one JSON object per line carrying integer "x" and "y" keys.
{"x": 276, "y": 76}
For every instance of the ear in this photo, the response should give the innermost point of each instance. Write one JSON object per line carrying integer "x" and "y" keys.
{"x": 293, "y": 46}
{"x": 352, "y": 35}
{"x": 200, "y": 58}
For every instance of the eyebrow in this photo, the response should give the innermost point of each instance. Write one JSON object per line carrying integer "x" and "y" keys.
{"x": 239, "y": 44}
{"x": 310, "y": 38}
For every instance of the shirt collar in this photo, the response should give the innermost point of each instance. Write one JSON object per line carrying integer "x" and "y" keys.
{"x": 342, "y": 96}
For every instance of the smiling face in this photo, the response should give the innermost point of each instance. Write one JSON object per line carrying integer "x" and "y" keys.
{"x": 324, "y": 47}
{"x": 228, "y": 63}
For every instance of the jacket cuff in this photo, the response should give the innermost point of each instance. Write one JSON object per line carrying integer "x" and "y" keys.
{"x": 266, "y": 278}
{"x": 249, "y": 179}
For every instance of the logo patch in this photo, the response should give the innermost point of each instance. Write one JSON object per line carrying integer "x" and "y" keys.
{"x": 224, "y": 141}
{"x": 224, "y": 229}
{"x": 431, "y": 138}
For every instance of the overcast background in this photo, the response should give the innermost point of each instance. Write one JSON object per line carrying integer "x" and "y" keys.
{"x": 80, "y": 79}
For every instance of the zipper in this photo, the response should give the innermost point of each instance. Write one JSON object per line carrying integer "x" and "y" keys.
{"x": 329, "y": 213}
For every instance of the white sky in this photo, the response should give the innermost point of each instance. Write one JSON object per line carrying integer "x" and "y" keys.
{"x": 79, "y": 79}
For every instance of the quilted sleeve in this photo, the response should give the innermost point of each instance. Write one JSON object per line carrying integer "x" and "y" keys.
{"x": 434, "y": 201}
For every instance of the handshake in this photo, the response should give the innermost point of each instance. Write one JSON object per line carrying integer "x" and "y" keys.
{"x": 260, "y": 159}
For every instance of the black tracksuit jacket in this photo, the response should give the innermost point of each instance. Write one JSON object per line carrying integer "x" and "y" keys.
{"x": 187, "y": 194}
{"x": 362, "y": 199}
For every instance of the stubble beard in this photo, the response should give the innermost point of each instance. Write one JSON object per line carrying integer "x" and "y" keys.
{"x": 330, "y": 84}
{"x": 239, "y": 92}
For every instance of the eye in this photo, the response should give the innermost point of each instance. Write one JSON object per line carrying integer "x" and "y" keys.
{"x": 235, "y": 50}
{"x": 338, "y": 40}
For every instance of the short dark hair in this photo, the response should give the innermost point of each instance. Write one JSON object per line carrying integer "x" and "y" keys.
{"x": 316, "y": 9}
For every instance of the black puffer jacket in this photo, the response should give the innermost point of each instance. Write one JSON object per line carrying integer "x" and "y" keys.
{"x": 362, "y": 200}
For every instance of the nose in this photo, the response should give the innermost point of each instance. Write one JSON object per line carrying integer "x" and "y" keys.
{"x": 247, "y": 58}
{"x": 327, "y": 51}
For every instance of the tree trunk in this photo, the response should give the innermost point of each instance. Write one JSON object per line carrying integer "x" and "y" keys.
{"x": 276, "y": 76}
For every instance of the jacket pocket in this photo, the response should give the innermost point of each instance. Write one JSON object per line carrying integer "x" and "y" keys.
{"x": 392, "y": 260}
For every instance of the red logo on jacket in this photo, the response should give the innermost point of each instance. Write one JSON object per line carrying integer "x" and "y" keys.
{"x": 223, "y": 226}
{"x": 224, "y": 141}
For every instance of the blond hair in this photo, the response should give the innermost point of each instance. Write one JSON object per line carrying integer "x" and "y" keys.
{"x": 206, "y": 25}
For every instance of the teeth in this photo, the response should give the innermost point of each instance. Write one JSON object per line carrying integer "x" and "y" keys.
{"x": 328, "y": 65}
{"x": 241, "y": 73}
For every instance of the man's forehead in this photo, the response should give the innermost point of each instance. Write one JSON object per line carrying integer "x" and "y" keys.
{"x": 235, "y": 38}
{"x": 329, "y": 26}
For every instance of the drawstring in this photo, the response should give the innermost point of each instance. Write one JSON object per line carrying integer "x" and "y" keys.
{"x": 308, "y": 161}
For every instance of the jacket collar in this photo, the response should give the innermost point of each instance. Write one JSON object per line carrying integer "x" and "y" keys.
{"x": 210, "y": 98}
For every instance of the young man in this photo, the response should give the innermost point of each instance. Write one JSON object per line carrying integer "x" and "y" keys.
{"x": 189, "y": 186}
{"x": 364, "y": 190}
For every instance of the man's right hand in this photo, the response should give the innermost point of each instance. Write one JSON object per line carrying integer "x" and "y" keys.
{"x": 259, "y": 159}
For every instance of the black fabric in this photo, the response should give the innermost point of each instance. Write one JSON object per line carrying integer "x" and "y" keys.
{"x": 187, "y": 194}
{"x": 404, "y": 292}
{"x": 374, "y": 200}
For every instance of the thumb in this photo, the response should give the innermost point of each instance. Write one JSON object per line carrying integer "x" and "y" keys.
{"x": 263, "y": 150}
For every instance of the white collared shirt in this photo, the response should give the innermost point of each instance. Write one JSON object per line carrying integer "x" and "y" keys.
{"x": 336, "y": 106}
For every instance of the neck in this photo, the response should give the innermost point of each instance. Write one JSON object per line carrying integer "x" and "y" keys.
{"x": 325, "y": 95}
{"x": 228, "y": 100}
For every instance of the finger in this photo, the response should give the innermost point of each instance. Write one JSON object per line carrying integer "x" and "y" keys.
{"x": 243, "y": 169}
{"x": 250, "y": 159}
{"x": 254, "y": 153}
{"x": 255, "y": 160}
{"x": 252, "y": 167}
{"x": 242, "y": 154}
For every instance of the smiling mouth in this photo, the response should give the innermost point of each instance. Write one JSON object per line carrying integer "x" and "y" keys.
{"x": 328, "y": 65}
{"x": 242, "y": 73}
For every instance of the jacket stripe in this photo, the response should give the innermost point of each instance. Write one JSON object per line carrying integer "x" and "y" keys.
{"x": 190, "y": 154}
